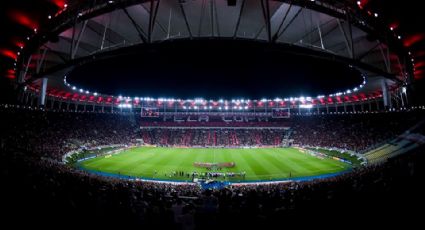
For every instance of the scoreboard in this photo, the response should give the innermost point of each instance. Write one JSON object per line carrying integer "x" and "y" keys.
{"x": 149, "y": 112}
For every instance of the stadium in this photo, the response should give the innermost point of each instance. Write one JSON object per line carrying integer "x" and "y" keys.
{"x": 211, "y": 114}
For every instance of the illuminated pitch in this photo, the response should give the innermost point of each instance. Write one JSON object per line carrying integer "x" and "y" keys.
{"x": 183, "y": 164}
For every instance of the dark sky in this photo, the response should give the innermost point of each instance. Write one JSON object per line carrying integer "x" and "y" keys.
{"x": 18, "y": 17}
{"x": 214, "y": 69}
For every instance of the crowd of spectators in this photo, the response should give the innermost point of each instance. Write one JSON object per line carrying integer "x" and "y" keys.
{"x": 52, "y": 134}
{"x": 356, "y": 132}
{"x": 44, "y": 191}
{"x": 225, "y": 137}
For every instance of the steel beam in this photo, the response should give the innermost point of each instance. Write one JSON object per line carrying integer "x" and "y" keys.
{"x": 41, "y": 61}
{"x": 185, "y": 20}
{"x": 239, "y": 19}
{"x": 266, "y": 13}
{"x": 156, "y": 22}
{"x": 139, "y": 30}
{"x": 348, "y": 42}
{"x": 77, "y": 42}
{"x": 152, "y": 17}
{"x": 289, "y": 24}
{"x": 275, "y": 36}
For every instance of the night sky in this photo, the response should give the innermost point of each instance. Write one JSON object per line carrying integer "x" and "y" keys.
{"x": 214, "y": 69}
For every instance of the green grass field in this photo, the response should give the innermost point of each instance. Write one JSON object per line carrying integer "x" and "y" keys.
{"x": 258, "y": 164}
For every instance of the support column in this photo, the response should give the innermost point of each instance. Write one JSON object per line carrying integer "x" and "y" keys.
{"x": 27, "y": 96}
{"x": 42, "y": 98}
{"x": 397, "y": 103}
{"x": 33, "y": 98}
{"x": 377, "y": 104}
{"x": 401, "y": 96}
{"x": 386, "y": 94}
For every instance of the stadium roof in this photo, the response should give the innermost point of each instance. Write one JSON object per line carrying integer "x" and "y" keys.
{"x": 84, "y": 31}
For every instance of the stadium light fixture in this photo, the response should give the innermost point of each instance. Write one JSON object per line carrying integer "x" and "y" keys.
{"x": 126, "y": 106}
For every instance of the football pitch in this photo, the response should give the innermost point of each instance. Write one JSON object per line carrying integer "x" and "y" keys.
{"x": 235, "y": 165}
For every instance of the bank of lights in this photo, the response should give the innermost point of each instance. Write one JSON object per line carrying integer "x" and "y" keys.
{"x": 125, "y": 106}
{"x": 237, "y": 104}
{"x": 309, "y": 106}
